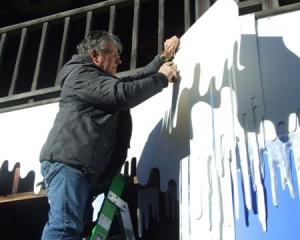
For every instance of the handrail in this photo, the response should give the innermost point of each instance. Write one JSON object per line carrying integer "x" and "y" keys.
{"x": 22, "y": 30}
{"x": 61, "y": 15}
{"x": 276, "y": 11}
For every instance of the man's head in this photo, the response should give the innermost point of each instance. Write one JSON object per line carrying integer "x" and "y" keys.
{"x": 103, "y": 48}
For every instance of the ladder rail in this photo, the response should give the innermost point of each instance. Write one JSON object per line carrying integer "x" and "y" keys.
{"x": 112, "y": 205}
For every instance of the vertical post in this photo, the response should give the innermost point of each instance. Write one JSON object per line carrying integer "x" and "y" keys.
{"x": 275, "y": 3}
{"x": 265, "y": 4}
{"x": 63, "y": 46}
{"x": 112, "y": 19}
{"x": 269, "y": 4}
{"x": 89, "y": 18}
{"x": 161, "y": 25}
{"x": 16, "y": 178}
{"x": 187, "y": 15}
{"x": 18, "y": 62}
{"x": 204, "y": 5}
{"x": 197, "y": 9}
{"x": 135, "y": 30}
{"x": 40, "y": 56}
{"x": 2, "y": 46}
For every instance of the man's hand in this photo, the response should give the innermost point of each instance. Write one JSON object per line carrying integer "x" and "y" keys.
{"x": 169, "y": 69}
{"x": 170, "y": 47}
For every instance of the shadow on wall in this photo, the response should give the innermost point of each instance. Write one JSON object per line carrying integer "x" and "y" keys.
{"x": 10, "y": 180}
{"x": 20, "y": 219}
{"x": 266, "y": 87}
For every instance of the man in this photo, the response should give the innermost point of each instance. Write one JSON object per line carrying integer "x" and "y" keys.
{"x": 89, "y": 139}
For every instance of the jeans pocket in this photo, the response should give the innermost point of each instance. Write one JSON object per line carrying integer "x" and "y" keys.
{"x": 49, "y": 170}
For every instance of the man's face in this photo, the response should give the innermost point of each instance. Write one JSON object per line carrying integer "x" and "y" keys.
{"x": 108, "y": 59}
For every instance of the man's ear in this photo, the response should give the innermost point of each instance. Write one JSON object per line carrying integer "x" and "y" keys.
{"x": 94, "y": 54}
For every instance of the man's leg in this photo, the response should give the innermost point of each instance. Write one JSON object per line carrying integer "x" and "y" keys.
{"x": 68, "y": 191}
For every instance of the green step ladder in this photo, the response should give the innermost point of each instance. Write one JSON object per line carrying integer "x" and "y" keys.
{"x": 113, "y": 204}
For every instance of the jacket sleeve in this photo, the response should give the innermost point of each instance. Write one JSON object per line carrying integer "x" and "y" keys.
{"x": 109, "y": 93}
{"x": 146, "y": 71}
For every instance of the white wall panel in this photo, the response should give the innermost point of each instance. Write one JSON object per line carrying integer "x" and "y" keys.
{"x": 224, "y": 134}
{"x": 22, "y": 135}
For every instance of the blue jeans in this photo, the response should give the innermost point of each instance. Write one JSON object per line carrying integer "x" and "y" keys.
{"x": 68, "y": 192}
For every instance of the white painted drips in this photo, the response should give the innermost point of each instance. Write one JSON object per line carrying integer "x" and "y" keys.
{"x": 201, "y": 145}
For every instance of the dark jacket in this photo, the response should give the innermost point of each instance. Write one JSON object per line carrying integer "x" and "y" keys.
{"x": 93, "y": 126}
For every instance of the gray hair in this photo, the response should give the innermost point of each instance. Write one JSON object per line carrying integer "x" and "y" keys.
{"x": 96, "y": 40}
